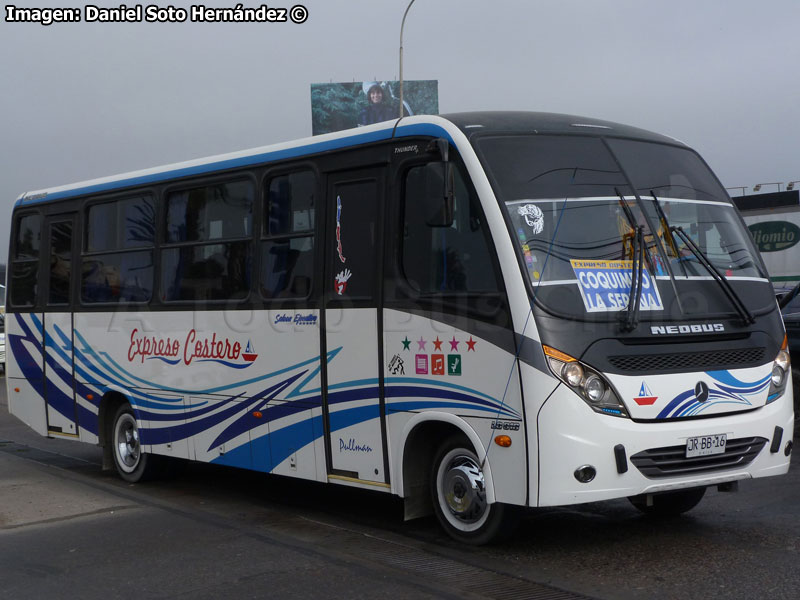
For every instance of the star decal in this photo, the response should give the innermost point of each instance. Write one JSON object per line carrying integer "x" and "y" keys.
{"x": 471, "y": 344}
{"x": 421, "y": 343}
{"x": 406, "y": 343}
{"x": 438, "y": 343}
{"x": 454, "y": 344}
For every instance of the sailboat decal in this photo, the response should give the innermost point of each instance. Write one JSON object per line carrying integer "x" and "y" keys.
{"x": 645, "y": 397}
{"x": 249, "y": 353}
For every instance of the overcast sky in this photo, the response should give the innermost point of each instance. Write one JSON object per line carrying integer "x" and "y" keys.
{"x": 79, "y": 101}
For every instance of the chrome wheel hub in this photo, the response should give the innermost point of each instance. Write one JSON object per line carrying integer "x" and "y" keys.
{"x": 126, "y": 441}
{"x": 464, "y": 489}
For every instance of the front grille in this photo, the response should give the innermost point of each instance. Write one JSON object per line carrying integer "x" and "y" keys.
{"x": 672, "y": 461}
{"x": 696, "y": 361}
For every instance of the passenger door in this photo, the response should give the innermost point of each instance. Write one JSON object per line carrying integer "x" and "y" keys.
{"x": 353, "y": 405}
{"x": 59, "y": 388}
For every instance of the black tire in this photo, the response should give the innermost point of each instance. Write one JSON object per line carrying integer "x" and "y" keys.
{"x": 669, "y": 504}
{"x": 459, "y": 497}
{"x": 132, "y": 463}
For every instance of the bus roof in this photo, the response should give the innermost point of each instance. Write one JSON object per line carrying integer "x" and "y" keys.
{"x": 422, "y": 125}
{"x": 520, "y": 122}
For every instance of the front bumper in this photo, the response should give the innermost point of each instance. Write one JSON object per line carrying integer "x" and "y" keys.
{"x": 572, "y": 435}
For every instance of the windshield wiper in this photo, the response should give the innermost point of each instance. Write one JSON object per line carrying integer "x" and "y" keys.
{"x": 637, "y": 273}
{"x": 637, "y": 266}
{"x": 726, "y": 286}
{"x": 663, "y": 251}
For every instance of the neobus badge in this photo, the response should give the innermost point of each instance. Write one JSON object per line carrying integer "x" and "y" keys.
{"x": 678, "y": 329}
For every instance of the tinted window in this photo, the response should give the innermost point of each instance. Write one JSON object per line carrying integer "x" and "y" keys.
{"x": 352, "y": 254}
{"x": 211, "y": 256}
{"x": 444, "y": 259}
{"x": 287, "y": 268}
{"x": 60, "y": 263}
{"x": 24, "y": 283}
{"x": 290, "y": 204}
{"x": 287, "y": 247}
{"x": 122, "y": 224}
{"x": 551, "y": 167}
{"x": 667, "y": 171}
{"x": 117, "y": 277}
{"x": 114, "y": 267}
{"x": 214, "y": 212}
{"x": 206, "y": 272}
{"x": 25, "y": 263}
{"x": 28, "y": 239}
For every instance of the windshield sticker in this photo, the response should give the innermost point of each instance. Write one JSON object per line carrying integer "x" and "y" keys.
{"x": 606, "y": 285}
{"x": 530, "y": 261}
{"x": 534, "y": 217}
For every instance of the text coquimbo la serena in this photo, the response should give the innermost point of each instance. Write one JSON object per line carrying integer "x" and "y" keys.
{"x": 153, "y": 13}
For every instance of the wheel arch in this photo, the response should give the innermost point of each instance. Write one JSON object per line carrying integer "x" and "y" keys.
{"x": 421, "y": 437}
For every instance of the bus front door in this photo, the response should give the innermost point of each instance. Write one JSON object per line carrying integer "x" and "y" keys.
{"x": 353, "y": 407}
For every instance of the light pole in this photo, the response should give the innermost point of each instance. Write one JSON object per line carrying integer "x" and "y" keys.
{"x": 402, "y": 25}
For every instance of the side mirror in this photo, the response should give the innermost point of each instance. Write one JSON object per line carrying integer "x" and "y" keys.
{"x": 440, "y": 187}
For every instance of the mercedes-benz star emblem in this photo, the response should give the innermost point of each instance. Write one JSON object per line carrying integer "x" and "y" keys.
{"x": 701, "y": 391}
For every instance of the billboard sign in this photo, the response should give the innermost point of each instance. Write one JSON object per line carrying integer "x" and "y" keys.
{"x": 337, "y": 106}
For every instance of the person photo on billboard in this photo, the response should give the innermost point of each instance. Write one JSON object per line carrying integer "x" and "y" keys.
{"x": 379, "y": 105}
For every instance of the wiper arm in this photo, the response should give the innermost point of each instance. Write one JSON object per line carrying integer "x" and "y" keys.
{"x": 637, "y": 273}
{"x": 746, "y": 315}
{"x": 664, "y": 222}
{"x": 632, "y": 222}
{"x": 662, "y": 251}
{"x": 637, "y": 266}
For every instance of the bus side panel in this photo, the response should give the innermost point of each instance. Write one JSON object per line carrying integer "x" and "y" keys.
{"x": 173, "y": 445}
{"x": 58, "y": 384}
{"x": 234, "y": 388}
{"x": 432, "y": 366}
{"x": 538, "y": 387}
{"x": 24, "y": 360}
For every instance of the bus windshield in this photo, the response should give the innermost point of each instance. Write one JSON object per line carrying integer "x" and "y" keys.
{"x": 577, "y": 203}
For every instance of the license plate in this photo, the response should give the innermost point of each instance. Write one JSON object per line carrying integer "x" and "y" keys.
{"x": 706, "y": 445}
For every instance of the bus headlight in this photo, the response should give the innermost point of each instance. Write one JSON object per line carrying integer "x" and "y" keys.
{"x": 781, "y": 367}
{"x": 586, "y": 382}
{"x": 594, "y": 388}
{"x": 573, "y": 373}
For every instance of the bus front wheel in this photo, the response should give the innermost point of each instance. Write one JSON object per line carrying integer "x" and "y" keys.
{"x": 669, "y": 504}
{"x": 458, "y": 492}
{"x": 131, "y": 462}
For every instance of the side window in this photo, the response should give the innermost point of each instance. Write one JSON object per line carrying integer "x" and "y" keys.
{"x": 117, "y": 260}
{"x": 287, "y": 240}
{"x": 441, "y": 260}
{"x": 25, "y": 261}
{"x": 207, "y": 253}
{"x": 60, "y": 263}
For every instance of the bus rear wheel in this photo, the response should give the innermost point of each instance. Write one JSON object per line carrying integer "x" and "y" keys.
{"x": 132, "y": 463}
{"x": 669, "y": 504}
{"x": 458, "y": 492}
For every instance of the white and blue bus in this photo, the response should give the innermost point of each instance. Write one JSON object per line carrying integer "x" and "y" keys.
{"x": 475, "y": 312}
